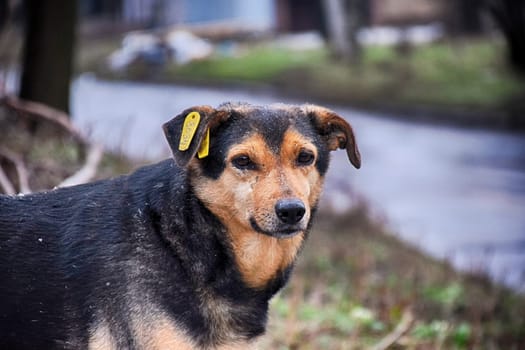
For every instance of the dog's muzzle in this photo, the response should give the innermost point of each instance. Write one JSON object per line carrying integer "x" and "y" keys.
{"x": 289, "y": 214}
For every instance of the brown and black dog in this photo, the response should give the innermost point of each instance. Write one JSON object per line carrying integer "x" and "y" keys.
{"x": 183, "y": 254}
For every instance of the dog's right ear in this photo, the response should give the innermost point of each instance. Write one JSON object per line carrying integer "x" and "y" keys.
{"x": 188, "y": 132}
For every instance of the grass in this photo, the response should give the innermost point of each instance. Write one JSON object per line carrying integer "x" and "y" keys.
{"x": 450, "y": 75}
{"x": 470, "y": 75}
{"x": 259, "y": 64}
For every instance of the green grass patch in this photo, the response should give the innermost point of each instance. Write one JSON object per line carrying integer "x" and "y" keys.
{"x": 260, "y": 64}
{"x": 470, "y": 74}
{"x": 452, "y": 74}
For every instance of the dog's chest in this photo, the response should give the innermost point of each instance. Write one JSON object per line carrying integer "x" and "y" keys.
{"x": 156, "y": 330}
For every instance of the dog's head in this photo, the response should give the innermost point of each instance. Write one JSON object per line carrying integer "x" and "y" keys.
{"x": 259, "y": 169}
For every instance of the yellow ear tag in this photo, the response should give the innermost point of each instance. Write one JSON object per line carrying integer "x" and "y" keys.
{"x": 188, "y": 130}
{"x": 204, "y": 149}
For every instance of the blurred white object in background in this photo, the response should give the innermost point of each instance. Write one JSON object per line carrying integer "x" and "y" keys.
{"x": 311, "y": 40}
{"x": 186, "y": 47}
{"x": 153, "y": 49}
{"x": 135, "y": 45}
{"x": 383, "y": 35}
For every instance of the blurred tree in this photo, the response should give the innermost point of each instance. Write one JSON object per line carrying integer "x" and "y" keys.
{"x": 110, "y": 9}
{"x": 48, "y": 51}
{"x": 464, "y": 17}
{"x": 4, "y": 12}
{"x": 343, "y": 20}
{"x": 510, "y": 16}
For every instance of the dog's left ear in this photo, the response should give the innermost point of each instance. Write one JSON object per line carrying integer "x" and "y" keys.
{"x": 187, "y": 132}
{"x": 336, "y": 131}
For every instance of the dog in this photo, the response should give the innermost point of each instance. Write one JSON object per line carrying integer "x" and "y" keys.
{"x": 182, "y": 254}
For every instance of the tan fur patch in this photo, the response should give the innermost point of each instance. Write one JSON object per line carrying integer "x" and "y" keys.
{"x": 260, "y": 257}
{"x": 238, "y": 196}
{"x": 165, "y": 336}
{"x": 238, "y": 346}
{"x": 304, "y": 181}
{"x": 158, "y": 332}
{"x": 101, "y": 338}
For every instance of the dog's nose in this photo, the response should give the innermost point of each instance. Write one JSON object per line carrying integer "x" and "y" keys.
{"x": 290, "y": 211}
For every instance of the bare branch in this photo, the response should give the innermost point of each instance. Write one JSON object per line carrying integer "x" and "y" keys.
{"x": 7, "y": 186}
{"x": 402, "y": 327}
{"x": 43, "y": 111}
{"x": 89, "y": 170}
{"x": 21, "y": 169}
{"x": 61, "y": 119}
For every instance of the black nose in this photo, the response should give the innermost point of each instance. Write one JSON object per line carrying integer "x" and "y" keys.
{"x": 290, "y": 211}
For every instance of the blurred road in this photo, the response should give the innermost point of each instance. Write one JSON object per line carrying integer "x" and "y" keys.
{"x": 458, "y": 194}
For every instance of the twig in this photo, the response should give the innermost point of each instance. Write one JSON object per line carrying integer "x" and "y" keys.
{"x": 7, "y": 186}
{"x": 89, "y": 170}
{"x": 41, "y": 110}
{"x": 21, "y": 169}
{"x": 403, "y": 326}
{"x": 61, "y": 119}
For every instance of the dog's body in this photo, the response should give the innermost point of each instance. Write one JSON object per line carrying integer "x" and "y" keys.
{"x": 182, "y": 254}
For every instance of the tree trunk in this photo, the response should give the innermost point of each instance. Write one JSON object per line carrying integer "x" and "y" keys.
{"x": 343, "y": 20}
{"x": 510, "y": 16}
{"x": 336, "y": 25}
{"x": 48, "y": 51}
{"x": 4, "y": 13}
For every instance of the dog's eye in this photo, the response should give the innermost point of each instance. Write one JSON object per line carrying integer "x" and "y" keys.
{"x": 243, "y": 162}
{"x": 305, "y": 158}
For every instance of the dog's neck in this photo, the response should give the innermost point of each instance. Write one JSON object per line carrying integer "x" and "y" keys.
{"x": 232, "y": 308}
{"x": 259, "y": 257}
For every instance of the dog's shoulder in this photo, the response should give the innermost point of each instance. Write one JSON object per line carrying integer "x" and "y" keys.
{"x": 160, "y": 175}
